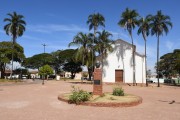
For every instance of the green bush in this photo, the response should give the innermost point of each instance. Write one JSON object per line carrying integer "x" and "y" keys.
{"x": 118, "y": 91}
{"x": 85, "y": 74}
{"x": 78, "y": 96}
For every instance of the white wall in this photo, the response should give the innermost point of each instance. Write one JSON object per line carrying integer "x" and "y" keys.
{"x": 121, "y": 59}
{"x": 140, "y": 69}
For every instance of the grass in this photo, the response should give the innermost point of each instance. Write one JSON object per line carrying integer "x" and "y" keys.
{"x": 8, "y": 80}
{"x": 109, "y": 98}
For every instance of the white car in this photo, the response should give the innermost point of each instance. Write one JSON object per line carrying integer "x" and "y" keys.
{"x": 13, "y": 77}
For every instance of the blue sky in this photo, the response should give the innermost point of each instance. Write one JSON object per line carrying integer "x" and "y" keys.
{"x": 56, "y": 22}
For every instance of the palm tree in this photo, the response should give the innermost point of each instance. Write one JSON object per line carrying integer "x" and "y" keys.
{"x": 84, "y": 53}
{"x": 160, "y": 24}
{"x": 94, "y": 21}
{"x": 103, "y": 45}
{"x": 129, "y": 20}
{"x": 15, "y": 28}
{"x": 144, "y": 29}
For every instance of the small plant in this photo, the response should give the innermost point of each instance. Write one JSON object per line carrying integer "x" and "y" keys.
{"x": 79, "y": 95}
{"x": 118, "y": 91}
{"x": 85, "y": 74}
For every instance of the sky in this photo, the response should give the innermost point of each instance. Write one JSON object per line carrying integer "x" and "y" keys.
{"x": 56, "y": 22}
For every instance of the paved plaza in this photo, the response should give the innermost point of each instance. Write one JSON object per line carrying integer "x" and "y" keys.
{"x": 34, "y": 101}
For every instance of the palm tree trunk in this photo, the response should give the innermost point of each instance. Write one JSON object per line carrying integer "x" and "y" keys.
{"x": 157, "y": 70}
{"x": 13, "y": 41}
{"x": 95, "y": 28}
{"x": 145, "y": 63}
{"x": 133, "y": 56}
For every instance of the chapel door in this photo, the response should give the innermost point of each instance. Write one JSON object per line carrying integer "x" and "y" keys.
{"x": 118, "y": 75}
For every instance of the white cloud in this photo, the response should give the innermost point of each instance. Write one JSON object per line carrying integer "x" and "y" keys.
{"x": 31, "y": 37}
{"x": 50, "y": 28}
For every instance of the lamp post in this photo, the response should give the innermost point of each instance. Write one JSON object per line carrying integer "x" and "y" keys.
{"x": 44, "y": 62}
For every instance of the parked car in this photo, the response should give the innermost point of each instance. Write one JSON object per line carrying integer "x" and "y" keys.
{"x": 13, "y": 77}
{"x": 149, "y": 81}
{"x": 167, "y": 80}
{"x": 52, "y": 77}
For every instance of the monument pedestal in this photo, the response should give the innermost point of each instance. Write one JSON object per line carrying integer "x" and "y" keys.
{"x": 97, "y": 86}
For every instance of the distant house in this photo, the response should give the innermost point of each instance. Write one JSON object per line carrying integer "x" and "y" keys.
{"x": 34, "y": 74}
{"x": 118, "y": 66}
{"x": 6, "y": 74}
{"x": 77, "y": 76}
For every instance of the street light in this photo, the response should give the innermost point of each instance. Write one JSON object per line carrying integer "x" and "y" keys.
{"x": 44, "y": 46}
{"x": 44, "y": 62}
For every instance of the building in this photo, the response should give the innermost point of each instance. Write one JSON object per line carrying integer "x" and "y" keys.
{"x": 6, "y": 74}
{"x": 34, "y": 74}
{"x": 77, "y": 75}
{"x": 118, "y": 66}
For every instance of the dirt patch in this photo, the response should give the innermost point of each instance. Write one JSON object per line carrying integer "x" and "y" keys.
{"x": 108, "y": 100}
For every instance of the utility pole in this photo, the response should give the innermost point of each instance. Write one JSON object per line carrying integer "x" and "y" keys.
{"x": 44, "y": 47}
{"x": 44, "y": 52}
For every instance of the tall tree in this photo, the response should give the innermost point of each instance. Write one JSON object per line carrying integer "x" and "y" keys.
{"x": 15, "y": 27}
{"x": 103, "y": 45}
{"x": 166, "y": 65}
{"x": 5, "y": 55}
{"x": 83, "y": 41}
{"x": 94, "y": 21}
{"x": 177, "y": 60}
{"x": 38, "y": 60}
{"x": 144, "y": 29}
{"x": 84, "y": 53}
{"x": 160, "y": 24}
{"x": 169, "y": 64}
{"x": 57, "y": 61}
{"x": 129, "y": 20}
{"x": 72, "y": 67}
{"x": 45, "y": 71}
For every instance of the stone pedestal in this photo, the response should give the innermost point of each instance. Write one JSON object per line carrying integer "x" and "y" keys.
{"x": 97, "y": 86}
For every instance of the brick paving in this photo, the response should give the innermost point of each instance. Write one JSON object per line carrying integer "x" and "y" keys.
{"x": 39, "y": 102}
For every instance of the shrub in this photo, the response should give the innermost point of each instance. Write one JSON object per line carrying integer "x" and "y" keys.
{"x": 78, "y": 96}
{"x": 85, "y": 74}
{"x": 118, "y": 91}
